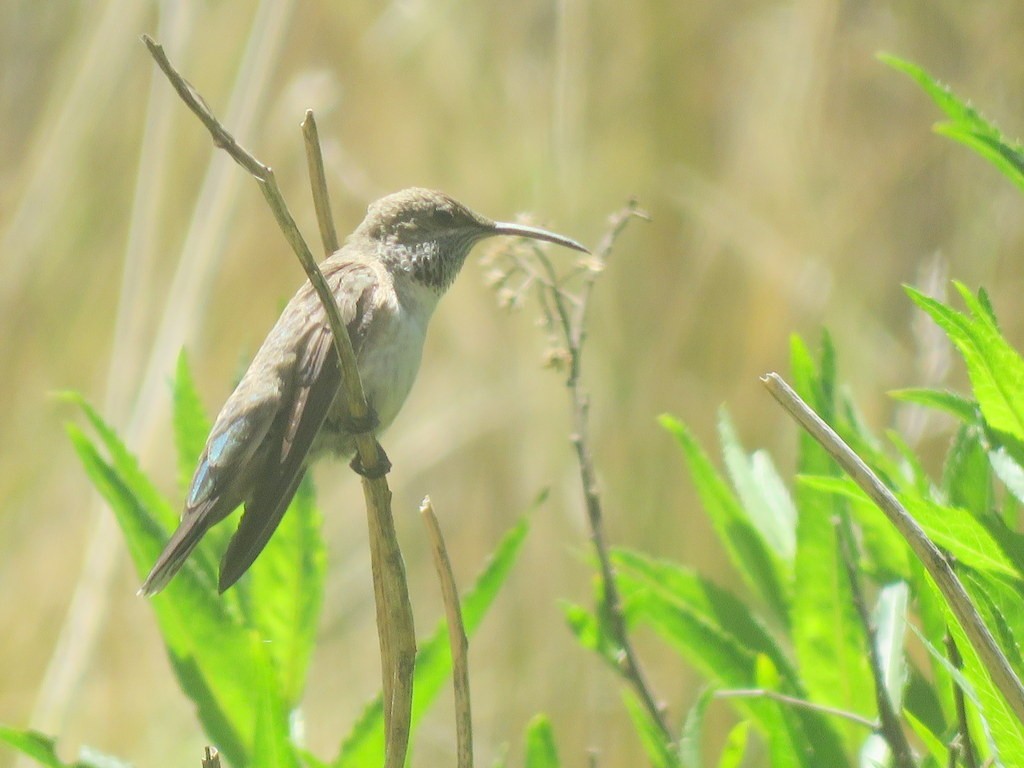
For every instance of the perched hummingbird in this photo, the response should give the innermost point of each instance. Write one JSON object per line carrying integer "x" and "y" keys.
{"x": 387, "y": 279}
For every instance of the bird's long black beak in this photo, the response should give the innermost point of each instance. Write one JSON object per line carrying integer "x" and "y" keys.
{"x": 535, "y": 233}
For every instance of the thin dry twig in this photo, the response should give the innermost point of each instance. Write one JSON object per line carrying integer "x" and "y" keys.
{"x": 999, "y": 669}
{"x": 890, "y": 728}
{"x": 394, "y": 610}
{"x": 318, "y": 181}
{"x": 766, "y": 693}
{"x": 565, "y": 315}
{"x": 456, "y": 636}
{"x": 211, "y": 758}
{"x": 963, "y": 745}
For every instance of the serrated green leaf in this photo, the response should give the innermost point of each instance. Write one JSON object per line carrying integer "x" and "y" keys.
{"x": 960, "y": 407}
{"x": 787, "y": 747}
{"x": 999, "y": 603}
{"x": 127, "y": 466}
{"x": 956, "y": 530}
{"x": 659, "y": 753}
{"x": 540, "y": 744}
{"x": 191, "y": 426}
{"x": 693, "y": 726}
{"x": 995, "y": 369}
{"x": 966, "y": 476}
{"x": 655, "y": 586}
{"x": 211, "y": 652}
{"x": 1004, "y": 738}
{"x": 965, "y": 124}
{"x": 964, "y": 536}
{"x": 364, "y": 744}
{"x": 890, "y": 622}
{"x": 39, "y": 747}
{"x": 827, "y": 635}
{"x": 283, "y": 593}
{"x": 747, "y": 550}
{"x": 932, "y": 741}
{"x": 735, "y": 748}
{"x": 763, "y": 495}
{"x": 272, "y": 747}
{"x": 719, "y": 636}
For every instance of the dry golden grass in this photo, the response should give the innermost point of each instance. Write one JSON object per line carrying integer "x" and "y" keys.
{"x": 793, "y": 183}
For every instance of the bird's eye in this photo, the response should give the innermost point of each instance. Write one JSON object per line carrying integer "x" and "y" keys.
{"x": 443, "y": 217}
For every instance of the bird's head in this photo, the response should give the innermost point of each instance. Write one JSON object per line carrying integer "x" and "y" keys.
{"x": 429, "y": 234}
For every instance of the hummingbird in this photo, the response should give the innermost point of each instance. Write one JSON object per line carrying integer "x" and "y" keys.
{"x": 286, "y": 411}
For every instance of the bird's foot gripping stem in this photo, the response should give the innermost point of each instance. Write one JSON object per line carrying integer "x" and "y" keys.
{"x": 372, "y": 473}
{"x": 367, "y": 423}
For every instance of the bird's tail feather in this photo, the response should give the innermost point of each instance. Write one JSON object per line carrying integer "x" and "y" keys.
{"x": 177, "y": 550}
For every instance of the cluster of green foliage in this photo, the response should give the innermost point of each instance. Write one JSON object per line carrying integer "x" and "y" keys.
{"x": 790, "y": 654}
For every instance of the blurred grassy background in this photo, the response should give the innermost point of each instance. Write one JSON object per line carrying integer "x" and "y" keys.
{"x": 793, "y": 183}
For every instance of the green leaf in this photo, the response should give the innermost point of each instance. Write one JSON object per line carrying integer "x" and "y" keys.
{"x": 964, "y": 536}
{"x": 960, "y": 407}
{"x": 965, "y": 125}
{"x": 150, "y": 499}
{"x": 994, "y": 367}
{"x": 932, "y": 741}
{"x": 1004, "y": 738}
{"x": 1009, "y": 471}
{"x": 540, "y": 744}
{"x": 827, "y": 636}
{"x": 364, "y": 744}
{"x": 890, "y": 622}
{"x": 658, "y": 591}
{"x": 659, "y": 752}
{"x": 764, "y": 496}
{"x": 718, "y": 634}
{"x": 967, "y": 477}
{"x": 191, "y": 426}
{"x": 956, "y": 530}
{"x": 283, "y": 594}
{"x": 735, "y": 747}
{"x": 272, "y": 747}
{"x": 213, "y": 655}
{"x": 689, "y": 739}
{"x": 787, "y": 745}
{"x": 42, "y": 749}
{"x": 747, "y": 549}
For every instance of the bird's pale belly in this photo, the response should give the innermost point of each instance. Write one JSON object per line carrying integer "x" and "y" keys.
{"x": 388, "y": 363}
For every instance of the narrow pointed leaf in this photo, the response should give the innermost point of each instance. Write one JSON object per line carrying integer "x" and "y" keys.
{"x": 965, "y": 124}
{"x": 540, "y": 744}
{"x": 747, "y": 550}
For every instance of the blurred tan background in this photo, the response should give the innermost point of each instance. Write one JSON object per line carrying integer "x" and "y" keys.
{"x": 793, "y": 183}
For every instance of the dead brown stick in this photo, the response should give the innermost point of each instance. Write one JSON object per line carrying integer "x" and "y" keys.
{"x": 992, "y": 657}
{"x": 456, "y": 636}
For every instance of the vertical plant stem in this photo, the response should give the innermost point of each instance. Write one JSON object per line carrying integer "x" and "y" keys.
{"x": 573, "y": 329}
{"x": 891, "y": 729}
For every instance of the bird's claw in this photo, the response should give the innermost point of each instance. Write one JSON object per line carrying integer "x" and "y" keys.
{"x": 372, "y": 473}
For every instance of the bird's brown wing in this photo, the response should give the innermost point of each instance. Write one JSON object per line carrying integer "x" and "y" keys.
{"x": 316, "y": 388}
{"x": 257, "y": 448}
{"x": 317, "y": 381}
